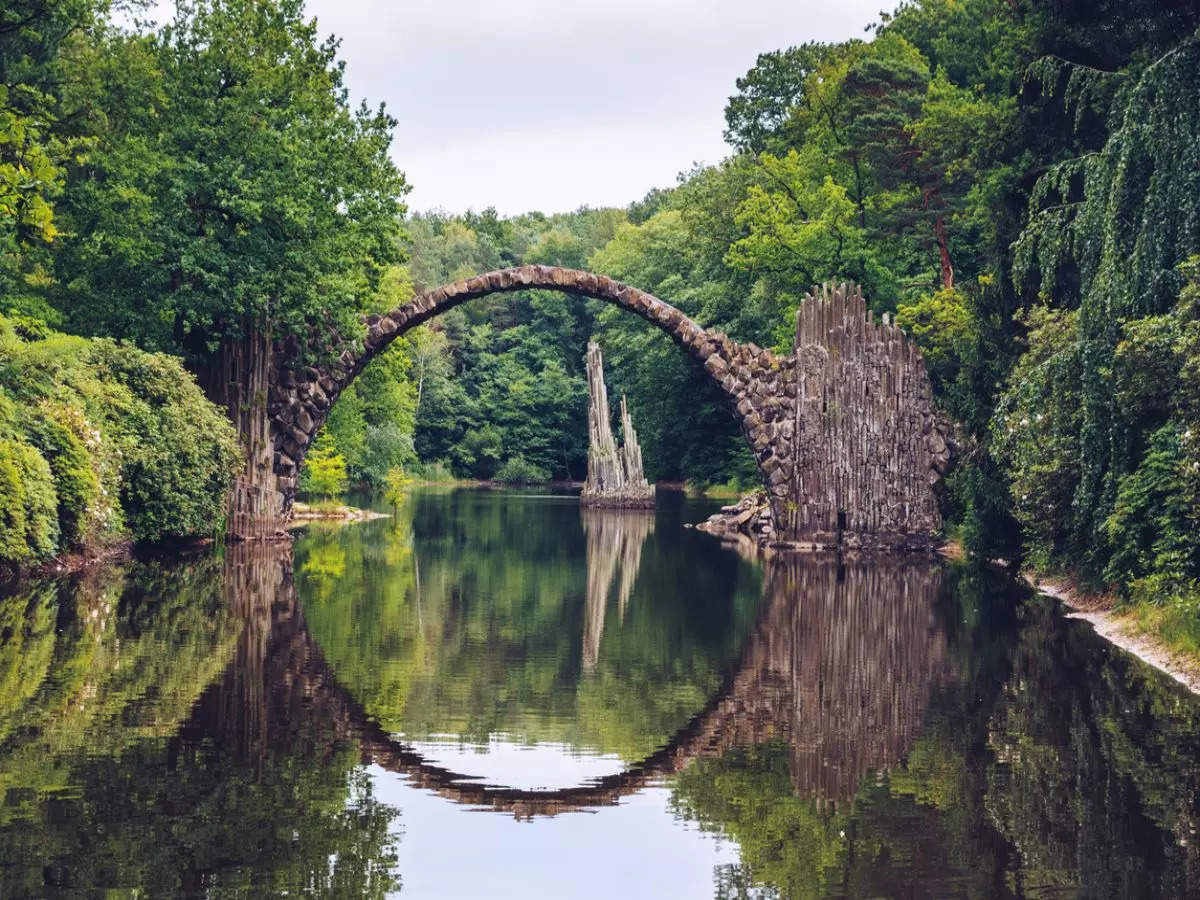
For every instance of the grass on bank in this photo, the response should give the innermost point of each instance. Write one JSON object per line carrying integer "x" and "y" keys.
{"x": 1176, "y": 623}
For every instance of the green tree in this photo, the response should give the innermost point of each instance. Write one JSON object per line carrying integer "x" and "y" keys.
{"x": 231, "y": 185}
{"x": 325, "y": 470}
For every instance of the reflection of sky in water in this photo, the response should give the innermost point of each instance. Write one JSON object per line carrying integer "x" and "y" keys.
{"x": 633, "y": 850}
{"x": 504, "y": 762}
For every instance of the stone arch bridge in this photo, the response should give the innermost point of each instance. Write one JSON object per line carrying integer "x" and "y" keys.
{"x": 843, "y": 429}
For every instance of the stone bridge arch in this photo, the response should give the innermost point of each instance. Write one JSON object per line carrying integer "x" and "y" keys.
{"x": 843, "y": 430}
{"x": 300, "y": 397}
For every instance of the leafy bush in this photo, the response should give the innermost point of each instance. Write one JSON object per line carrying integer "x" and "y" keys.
{"x": 178, "y": 450}
{"x": 1149, "y": 530}
{"x": 938, "y": 323}
{"x": 324, "y": 472}
{"x": 101, "y": 440}
{"x": 480, "y": 450}
{"x": 388, "y": 446}
{"x": 436, "y": 471}
{"x": 29, "y": 527}
{"x": 1035, "y": 437}
{"x": 517, "y": 470}
{"x": 397, "y": 487}
{"x": 76, "y": 482}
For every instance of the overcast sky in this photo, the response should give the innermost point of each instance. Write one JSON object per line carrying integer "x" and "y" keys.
{"x": 556, "y": 104}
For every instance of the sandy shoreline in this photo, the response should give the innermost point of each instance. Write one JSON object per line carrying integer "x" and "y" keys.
{"x": 1121, "y": 632}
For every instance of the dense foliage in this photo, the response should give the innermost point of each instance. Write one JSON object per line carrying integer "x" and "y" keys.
{"x": 228, "y": 181}
{"x": 99, "y": 440}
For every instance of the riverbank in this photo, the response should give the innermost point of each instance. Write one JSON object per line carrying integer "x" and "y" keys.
{"x": 1124, "y": 628}
{"x": 339, "y": 512}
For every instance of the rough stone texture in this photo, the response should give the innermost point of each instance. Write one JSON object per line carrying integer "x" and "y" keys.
{"x": 843, "y": 430}
{"x": 615, "y": 476}
{"x": 868, "y": 444}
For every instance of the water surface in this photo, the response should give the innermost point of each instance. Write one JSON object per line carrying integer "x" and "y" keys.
{"x": 496, "y": 694}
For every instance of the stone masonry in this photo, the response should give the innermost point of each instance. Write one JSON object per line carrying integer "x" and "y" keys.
{"x": 846, "y": 439}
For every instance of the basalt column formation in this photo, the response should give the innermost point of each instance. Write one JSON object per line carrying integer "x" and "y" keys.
{"x": 615, "y": 476}
{"x": 869, "y": 448}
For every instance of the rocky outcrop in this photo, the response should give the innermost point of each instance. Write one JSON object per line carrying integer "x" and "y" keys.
{"x": 615, "y": 477}
{"x": 869, "y": 447}
{"x": 749, "y": 518}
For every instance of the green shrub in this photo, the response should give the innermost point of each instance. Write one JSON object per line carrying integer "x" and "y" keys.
{"x": 178, "y": 450}
{"x": 397, "y": 487}
{"x": 436, "y": 471}
{"x": 1150, "y": 531}
{"x": 386, "y": 447}
{"x": 12, "y": 510}
{"x": 101, "y": 440}
{"x": 518, "y": 470}
{"x": 1035, "y": 437}
{"x": 324, "y": 472}
{"x": 75, "y": 480}
{"x": 29, "y": 529}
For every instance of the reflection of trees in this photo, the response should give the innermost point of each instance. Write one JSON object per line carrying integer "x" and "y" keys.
{"x": 96, "y": 662}
{"x": 253, "y": 796}
{"x": 491, "y": 642}
{"x": 1035, "y": 762}
{"x": 1095, "y": 767}
{"x": 614, "y": 542}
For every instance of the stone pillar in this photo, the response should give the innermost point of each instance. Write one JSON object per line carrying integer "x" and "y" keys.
{"x": 615, "y": 476}
{"x": 869, "y": 447}
{"x": 241, "y": 382}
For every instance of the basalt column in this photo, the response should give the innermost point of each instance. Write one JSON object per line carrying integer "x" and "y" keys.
{"x": 869, "y": 447}
{"x": 615, "y": 476}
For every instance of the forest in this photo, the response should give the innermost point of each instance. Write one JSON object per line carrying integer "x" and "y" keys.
{"x": 1017, "y": 181}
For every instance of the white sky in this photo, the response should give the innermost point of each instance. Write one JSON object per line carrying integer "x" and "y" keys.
{"x": 554, "y": 104}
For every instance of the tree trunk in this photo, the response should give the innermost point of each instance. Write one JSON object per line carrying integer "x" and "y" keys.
{"x": 939, "y": 231}
{"x": 239, "y": 381}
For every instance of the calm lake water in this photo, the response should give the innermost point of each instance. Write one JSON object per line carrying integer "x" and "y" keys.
{"x": 499, "y": 695}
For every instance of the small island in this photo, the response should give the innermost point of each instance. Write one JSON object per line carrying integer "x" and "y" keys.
{"x": 615, "y": 477}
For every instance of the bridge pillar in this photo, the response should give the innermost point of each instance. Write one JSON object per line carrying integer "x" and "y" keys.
{"x": 870, "y": 446}
{"x": 844, "y": 430}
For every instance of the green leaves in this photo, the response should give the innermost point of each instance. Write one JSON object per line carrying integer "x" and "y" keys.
{"x": 246, "y": 190}
{"x": 324, "y": 471}
{"x": 105, "y": 440}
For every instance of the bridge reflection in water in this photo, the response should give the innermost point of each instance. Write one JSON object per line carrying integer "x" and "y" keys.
{"x": 840, "y": 664}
